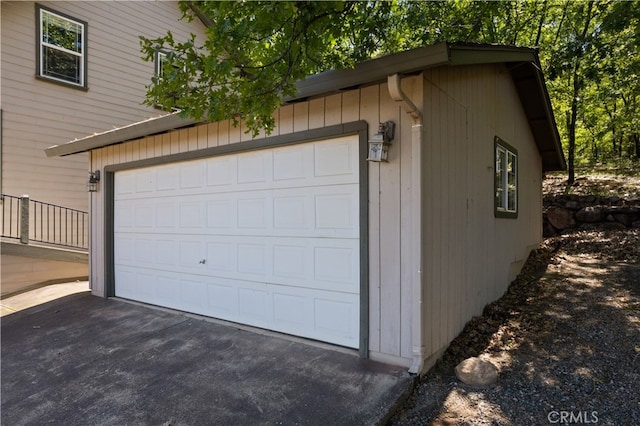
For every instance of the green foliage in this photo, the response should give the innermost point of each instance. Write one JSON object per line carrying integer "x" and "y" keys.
{"x": 255, "y": 51}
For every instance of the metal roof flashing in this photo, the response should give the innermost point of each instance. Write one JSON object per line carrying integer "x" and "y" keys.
{"x": 526, "y": 75}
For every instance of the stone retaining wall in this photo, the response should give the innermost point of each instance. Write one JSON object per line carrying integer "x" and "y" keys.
{"x": 563, "y": 212}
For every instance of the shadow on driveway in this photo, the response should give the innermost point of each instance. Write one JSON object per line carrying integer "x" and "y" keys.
{"x": 85, "y": 360}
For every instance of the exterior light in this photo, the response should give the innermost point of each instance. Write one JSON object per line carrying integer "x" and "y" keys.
{"x": 380, "y": 142}
{"x": 92, "y": 183}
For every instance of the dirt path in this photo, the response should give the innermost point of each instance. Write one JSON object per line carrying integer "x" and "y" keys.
{"x": 565, "y": 338}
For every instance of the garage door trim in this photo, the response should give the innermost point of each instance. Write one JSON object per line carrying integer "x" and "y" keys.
{"x": 359, "y": 128}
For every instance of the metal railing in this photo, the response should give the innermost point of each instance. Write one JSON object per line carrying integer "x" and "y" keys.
{"x": 30, "y": 220}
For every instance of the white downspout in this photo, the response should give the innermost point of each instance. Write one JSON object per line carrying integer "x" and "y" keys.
{"x": 417, "y": 309}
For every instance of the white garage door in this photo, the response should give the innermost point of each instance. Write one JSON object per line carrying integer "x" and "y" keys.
{"x": 268, "y": 238}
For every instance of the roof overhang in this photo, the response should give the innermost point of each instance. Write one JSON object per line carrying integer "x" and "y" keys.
{"x": 523, "y": 64}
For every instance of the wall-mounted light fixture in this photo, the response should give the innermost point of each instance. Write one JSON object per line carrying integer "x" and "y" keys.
{"x": 379, "y": 143}
{"x": 92, "y": 183}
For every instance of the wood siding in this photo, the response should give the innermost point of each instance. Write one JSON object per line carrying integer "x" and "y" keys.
{"x": 37, "y": 114}
{"x": 470, "y": 256}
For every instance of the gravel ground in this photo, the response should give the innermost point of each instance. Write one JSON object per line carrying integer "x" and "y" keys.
{"x": 565, "y": 338}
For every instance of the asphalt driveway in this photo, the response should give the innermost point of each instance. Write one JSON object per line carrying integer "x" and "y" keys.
{"x": 84, "y": 360}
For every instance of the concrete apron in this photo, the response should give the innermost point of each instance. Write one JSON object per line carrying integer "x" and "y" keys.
{"x": 86, "y": 360}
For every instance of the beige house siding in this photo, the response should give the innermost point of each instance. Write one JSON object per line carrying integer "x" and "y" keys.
{"x": 37, "y": 114}
{"x": 470, "y": 256}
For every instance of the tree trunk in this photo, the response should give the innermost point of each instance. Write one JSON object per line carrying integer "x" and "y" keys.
{"x": 571, "y": 126}
{"x": 577, "y": 84}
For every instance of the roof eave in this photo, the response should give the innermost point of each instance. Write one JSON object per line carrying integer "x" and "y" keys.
{"x": 160, "y": 124}
{"x": 523, "y": 63}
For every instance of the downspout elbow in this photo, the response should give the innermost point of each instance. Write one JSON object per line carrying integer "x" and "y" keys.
{"x": 398, "y": 95}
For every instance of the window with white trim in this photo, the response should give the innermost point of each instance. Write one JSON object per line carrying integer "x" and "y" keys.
{"x": 161, "y": 59}
{"x": 61, "y": 48}
{"x": 506, "y": 179}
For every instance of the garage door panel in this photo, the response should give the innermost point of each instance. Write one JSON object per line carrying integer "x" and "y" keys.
{"x": 167, "y": 253}
{"x": 297, "y": 262}
{"x": 290, "y": 164}
{"x": 167, "y": 178}
{"x": 336, "y": 319}
{"x": 193, "y": 296}
{"x": 167, "y": 292}
{"x": 268, "y": 238}
{"x": 337, "y": 158}
{"x": 145, "y": 181}
{"x": 166, "y": 214}
{"x": 221, "y": 171}
{"x": 192, "y": 175}
{"x": 252, "y": 259}
{"x": 254, "y": 213}
{"x": 301, "y": 212}
{"x": 335, "y": 264}
{"x": 124, "y": 249}
{"x": 328, "y": 316}
{"x": 145, "y": 251}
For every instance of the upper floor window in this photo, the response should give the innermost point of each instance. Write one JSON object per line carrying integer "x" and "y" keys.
{"x": 506, "y": 180}
{"x": 62, "y": 55}
{"x": 161, "y": 59}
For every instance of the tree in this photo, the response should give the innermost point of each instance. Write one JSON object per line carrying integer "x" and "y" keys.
{"x": 256, "y": 51}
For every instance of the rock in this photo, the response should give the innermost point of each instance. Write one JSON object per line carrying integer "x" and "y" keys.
{"x": 613, "y": 225}
{"x": 477, "y": 372}
{"x": 548, "y": 230}
{"x": 590, "y": 214}
{"x": 624, "y": 219}
{"x": 560, "y": 218}
{"x": 572, "y": 205}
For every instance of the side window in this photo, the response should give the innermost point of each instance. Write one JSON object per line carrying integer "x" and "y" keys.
{"x": 161, "y": 59}
{"x": 506, "y": 180}
{"x": 61, "y": 49}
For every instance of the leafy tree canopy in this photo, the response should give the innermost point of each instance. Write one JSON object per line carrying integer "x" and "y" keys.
{"x": 254, "y": 53}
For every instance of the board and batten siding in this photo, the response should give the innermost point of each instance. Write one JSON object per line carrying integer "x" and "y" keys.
{"x": 37, "y": 114}
{"x": 470, "y": 256}
{"x": 389, "y": 195}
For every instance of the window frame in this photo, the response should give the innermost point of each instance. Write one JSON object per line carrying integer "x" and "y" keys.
{"x": 40, "y": 45}
{"x": 160, "y": 58}
{"x": 503, "y": 154}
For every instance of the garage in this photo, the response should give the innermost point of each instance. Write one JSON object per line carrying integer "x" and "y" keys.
{"x": 268, "y": 238}
{"x": 304, "y": 232}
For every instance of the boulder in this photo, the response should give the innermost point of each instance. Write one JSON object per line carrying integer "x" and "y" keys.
{"x": 572, "y": 205}
{"x": 477, "y": 372}
{"x": 560, "y": 218}
{"x": 624, "y": 219}
{"x": 591, "y": 214}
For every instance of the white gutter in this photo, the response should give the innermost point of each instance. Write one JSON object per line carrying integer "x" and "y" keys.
{"x": 417, "y": 308}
